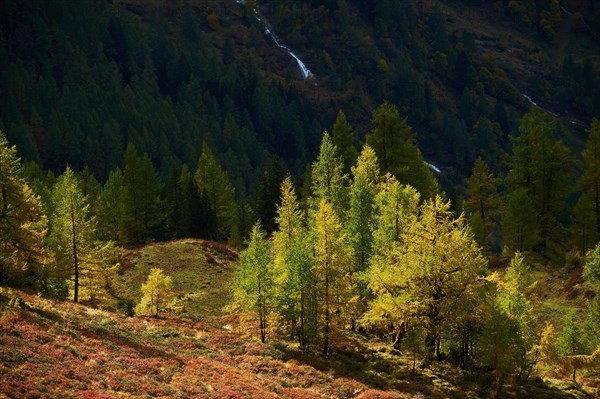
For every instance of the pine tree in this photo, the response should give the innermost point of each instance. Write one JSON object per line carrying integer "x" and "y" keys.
{"x": 22, "y": 220}
{"x": 156, "y": 291}
{"x": 519, "y": 221}
{"x": 73, "y": 237}
{"x": 255, "y": 279}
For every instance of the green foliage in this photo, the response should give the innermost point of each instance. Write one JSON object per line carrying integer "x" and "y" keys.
{"x": 213, "y": 183}
{"x": 332, "y": 268}
{"x": 591, "y": 270}
{"x": 482, "y": 202}
{"x": 255, "y": 279}
{"x": 78, "y": 252}
{"x": 22, "y": 220}
{"x": 394, "y": 144}
{"x": 344, "y": 141}
{"x": 542, "y": 167}
{"x": 328, "y": 180}
{"x": 140, "y": 201}
{"x": 156, "y": 292}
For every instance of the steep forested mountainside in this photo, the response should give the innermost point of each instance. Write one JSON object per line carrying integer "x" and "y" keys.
{"x": 80, "y": 81}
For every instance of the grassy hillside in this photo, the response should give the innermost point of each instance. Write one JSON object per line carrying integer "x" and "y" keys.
{"x": 53, "y": 349}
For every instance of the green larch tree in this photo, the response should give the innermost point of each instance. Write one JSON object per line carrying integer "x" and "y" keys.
{"x": 361, "y": 223}
{"x": 590, "y": 186}
{"x": 332, "y": 269}
{"x": 343, "y": 140}
{"x": 328, "y": 180}
{"x": 394, "y": 143}
{"x": 519, "y": 221}
{"x": 482, "y": 202}
{"x": 22, "y": 219}
{"x": 214, "y": 184}
{"x": 73, "y": 239}
{"x": 142, "y": 212}
{"x": 254, "y": 281}
{"x": 108, "y": 206}
{"x": 541, "y": 165}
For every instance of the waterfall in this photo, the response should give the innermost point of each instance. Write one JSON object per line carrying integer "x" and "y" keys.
{"x": 306, "y": 73}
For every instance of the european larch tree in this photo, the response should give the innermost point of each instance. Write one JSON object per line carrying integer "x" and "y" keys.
{"x": 344, "y": 141}
{"x": 328, "y": 180}
{"x": 214, "y": 184}
{"x": 73, "y": 239}
{"x": 156, "y": 291}
{"x": 255, "y": 286}
{"x": 140, "y": 199}
{"x": 22, "y": 220}
{"x": 397, "y": 206}
{"x": 482, "y": 202}
{"x": 361, "y": 224}
{"x": 394, "y": 143}
{"x": 332, "y": 268}
{"x": 590, "y": 185}
{"x": 433, "y": 275}
{"x": 541, "y": 165}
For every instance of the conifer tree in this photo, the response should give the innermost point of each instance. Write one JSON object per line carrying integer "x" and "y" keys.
{"x": 541, "y": 165}
{"x": 482, "y": 202}
{"x": 214, "y": 185}
{"x": 254, "y": 281}
{"x": 22, "y": 220}
{"x": 332, "y": 268}
{"x": 140, "y": 199}
{"x": 156, "y": 291}
{"x": 432, "y": 277}
{"x": 394, "y": 144}
{"x": 328, "y": 180}
{"x": 590, "y": 185}
{"x": 344, "y": 142}
{"x": 73, "y": 237}
{"x": 108, "y": 206}
{"x": 361, "y": 222}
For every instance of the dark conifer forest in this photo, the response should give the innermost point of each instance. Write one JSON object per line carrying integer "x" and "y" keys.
{"x": 420, "y": 172}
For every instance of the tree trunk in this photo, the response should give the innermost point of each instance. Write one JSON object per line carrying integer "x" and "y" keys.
{"x": 75, "y": 259}
{"x": 326, "y": 329}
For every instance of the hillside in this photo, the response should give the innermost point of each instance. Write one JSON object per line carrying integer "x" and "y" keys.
{"x": 57, "y": 349}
